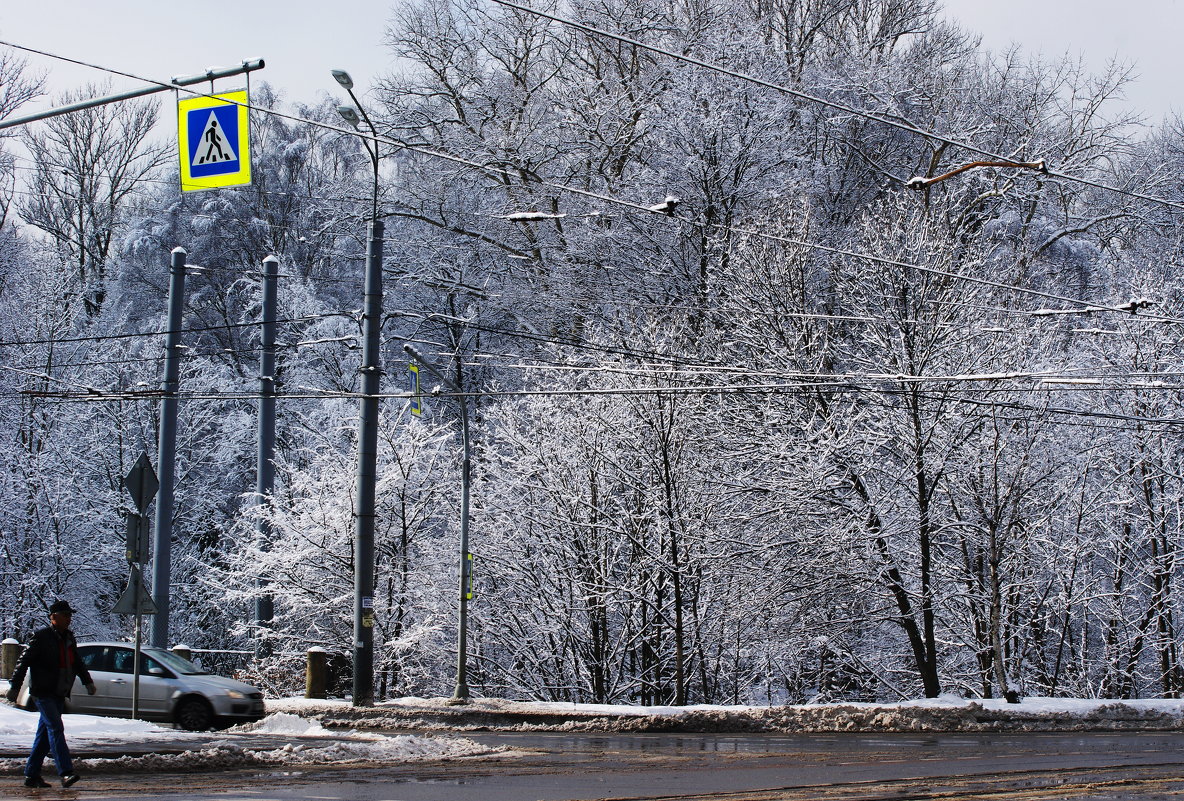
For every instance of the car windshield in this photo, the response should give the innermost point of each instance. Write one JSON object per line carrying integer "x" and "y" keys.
{"x": 175, "y": 663}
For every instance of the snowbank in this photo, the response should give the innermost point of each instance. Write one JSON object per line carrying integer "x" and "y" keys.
{"x": 223, "y": 756}
{"x": 947, "y": 713}
{"x": 309, "y": 743}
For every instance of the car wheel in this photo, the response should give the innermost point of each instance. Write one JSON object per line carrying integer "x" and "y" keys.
{"x": 194, "y": 714}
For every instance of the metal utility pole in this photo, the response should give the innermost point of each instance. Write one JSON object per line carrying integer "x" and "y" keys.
{"x": 364, "y": 497}
{"x": 166, "y": 458}
{"x": 461, "y": 694}
{"x": 265, "y": 469}
{"x": 364, "y": 504}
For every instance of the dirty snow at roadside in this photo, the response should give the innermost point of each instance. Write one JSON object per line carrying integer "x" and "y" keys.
{"x": 350, "y": 748}
{"x": 210, "y": 751}
{"x": 946, "y": 713}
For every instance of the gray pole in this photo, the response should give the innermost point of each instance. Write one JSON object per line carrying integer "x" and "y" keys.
{"x": 367, "y": 473}
{"x": 367, "y": 422}
{"x": 209, "y": 75}
{"x": 167, "y": 455}
{"x": 137, "y": 582}
{"x": 461, "y": 694}
{"x": 265, "y": 471}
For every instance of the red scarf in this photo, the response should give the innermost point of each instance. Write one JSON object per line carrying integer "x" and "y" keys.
{"x": 65, "y": 655}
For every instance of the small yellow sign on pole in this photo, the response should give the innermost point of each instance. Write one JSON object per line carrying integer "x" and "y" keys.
{"x": 214, "y": 141}
{"x": 416, "y": 398}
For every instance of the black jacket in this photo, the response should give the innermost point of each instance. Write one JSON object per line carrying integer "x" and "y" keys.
{"x": 43, "y": 660}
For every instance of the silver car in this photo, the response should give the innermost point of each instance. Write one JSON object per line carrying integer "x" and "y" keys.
{"x": 172, "y": 689}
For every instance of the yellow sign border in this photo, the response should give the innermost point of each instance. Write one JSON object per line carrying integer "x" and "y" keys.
{"x": 243, "y": 175}
{"x": 416, "y": 397}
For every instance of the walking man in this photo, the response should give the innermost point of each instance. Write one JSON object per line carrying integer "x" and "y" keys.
{"x": 52, "y": 662}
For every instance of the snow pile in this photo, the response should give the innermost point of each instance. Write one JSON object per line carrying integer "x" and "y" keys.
{"x": 225, "y": 756}
{"x": 937, "y": 715}
{"x": 288, "y": 724}
{"x": 951, "y": 713}
{"x": 947, "y": 713}
{"x": 309, "y": 744}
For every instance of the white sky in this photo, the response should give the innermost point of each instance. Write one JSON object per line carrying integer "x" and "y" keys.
{"x": 1146, "y": 33}
{"x": 302, "y": 40}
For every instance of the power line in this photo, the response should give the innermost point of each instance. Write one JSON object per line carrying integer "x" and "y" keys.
{"x": 868, "y": 115}
{"x": 648, "y": 209}
{"x": 1075, "y": 379}
{"x": 219, "y": 327}
{"x": 1086, "y": 305}
{"x": 250, "y": 189}
{"x": 92, "y": 395}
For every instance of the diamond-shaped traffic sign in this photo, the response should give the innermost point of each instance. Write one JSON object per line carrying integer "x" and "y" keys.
{"x": 141, "y": 483}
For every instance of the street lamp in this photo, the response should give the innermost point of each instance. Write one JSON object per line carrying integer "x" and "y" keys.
{"x": 367, "y": 478}
{"x": 351, "y": 115}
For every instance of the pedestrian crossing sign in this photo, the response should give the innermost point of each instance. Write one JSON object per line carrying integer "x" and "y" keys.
{"x": 213, "y": 141}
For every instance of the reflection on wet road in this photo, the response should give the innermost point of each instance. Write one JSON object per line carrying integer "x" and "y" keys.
{"x": 741, "y": 767}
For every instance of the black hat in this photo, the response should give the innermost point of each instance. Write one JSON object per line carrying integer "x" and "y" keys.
{"x": 60, "y": 606}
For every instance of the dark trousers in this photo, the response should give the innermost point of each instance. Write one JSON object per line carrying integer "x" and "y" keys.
{"x": 51, "y": 737}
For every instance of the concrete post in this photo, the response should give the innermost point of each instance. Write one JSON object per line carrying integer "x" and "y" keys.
{"x": 10, "y": 651}
{"x": 183, "y": 651}
{"x": 316, "y": 673}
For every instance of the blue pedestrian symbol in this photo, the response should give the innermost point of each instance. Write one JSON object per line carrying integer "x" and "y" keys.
{"x": 212, "y": 134}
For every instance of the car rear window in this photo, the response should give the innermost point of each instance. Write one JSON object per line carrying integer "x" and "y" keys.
{"x": 93, "y": 657}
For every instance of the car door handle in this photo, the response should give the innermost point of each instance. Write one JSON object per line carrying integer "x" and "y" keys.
{"x": 118, "y": 681}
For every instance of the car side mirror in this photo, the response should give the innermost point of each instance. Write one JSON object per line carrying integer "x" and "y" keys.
{"x": 155, "y": 671}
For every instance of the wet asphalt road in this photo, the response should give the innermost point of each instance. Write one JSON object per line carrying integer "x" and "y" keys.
{"x": 833, "y": 767}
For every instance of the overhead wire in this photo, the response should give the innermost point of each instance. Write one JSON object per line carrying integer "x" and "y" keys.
{"x": 432, "y": 152}
{"x": 139, "y": 334}
{"x": 1087, "y": 306}
{"x": 835, "y": 105}
{"x": 90, "y": 396}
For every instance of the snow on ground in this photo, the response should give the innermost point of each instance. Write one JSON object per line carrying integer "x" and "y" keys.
{"x": 17, "y": 728}
{"x": 224, "y": 755}
{"x": 946, "y": 713}
{"x": 213, "y": 751}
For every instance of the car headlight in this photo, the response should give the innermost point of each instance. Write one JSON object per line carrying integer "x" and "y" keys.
{"x": 235, "y": 694}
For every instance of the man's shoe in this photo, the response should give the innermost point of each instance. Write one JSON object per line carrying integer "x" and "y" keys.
{"x": 69, "y": 779}
{"x": 35, "y": 781}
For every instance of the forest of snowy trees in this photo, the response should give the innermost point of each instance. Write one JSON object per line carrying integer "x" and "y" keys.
{"x": 754, "y": 421}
